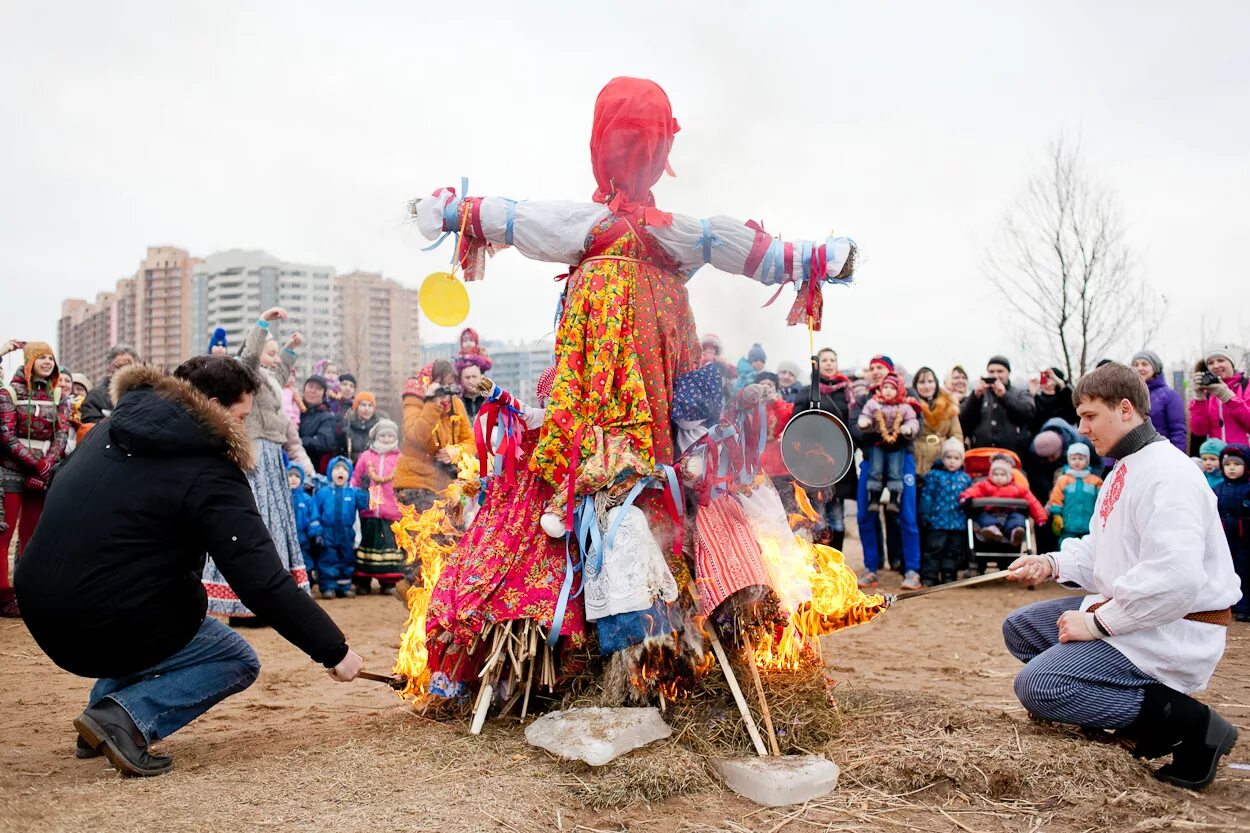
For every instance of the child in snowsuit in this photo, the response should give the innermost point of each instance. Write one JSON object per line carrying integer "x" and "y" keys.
{"x": 379, "y": 556}
{"x": 942, "y": 518}
{"x": 888, "y": 422}
{"x": 307, "y": 526}
{"x": 1209, "y": 459}
{"x": 999, "y": 524}
{"x": 1071, "y": 502}
{"x": 1232, "y": 498}
{"x": 337, "y": 506}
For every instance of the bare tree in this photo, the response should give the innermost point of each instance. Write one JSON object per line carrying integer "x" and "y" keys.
{"x": 1063, "y": 266}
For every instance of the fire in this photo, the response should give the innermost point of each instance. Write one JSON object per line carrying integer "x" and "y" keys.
{"x": 836, "y": 602}
{"x": 429, "y": 538}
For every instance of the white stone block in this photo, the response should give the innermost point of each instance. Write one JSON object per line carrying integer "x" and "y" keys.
{"x": 776, "y": 782}
{"x": 596, "y": 735}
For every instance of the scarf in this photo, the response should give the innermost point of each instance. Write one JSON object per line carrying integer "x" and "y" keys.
{"x": 832, "y": 386}
{"x": 1135, "y": 440}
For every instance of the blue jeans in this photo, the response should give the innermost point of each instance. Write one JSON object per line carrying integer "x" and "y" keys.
{"x": 870, "y": 525}
{"x": 887, "y": 466}
{"x": 216, "y": 663}
{"x": 1005, "y": 521}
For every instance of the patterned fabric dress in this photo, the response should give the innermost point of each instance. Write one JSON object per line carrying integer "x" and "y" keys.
{"x": 273, "y": 499}
{"x": 505, "y": 567}
{"x": 626, "y": 334}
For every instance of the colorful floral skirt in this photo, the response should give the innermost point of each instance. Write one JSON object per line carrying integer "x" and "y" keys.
{"x": 273, "y": 499}
{"x": 378, "y": 556}
{"x": 626, "y": 334}
{"x": 505, "y": 567}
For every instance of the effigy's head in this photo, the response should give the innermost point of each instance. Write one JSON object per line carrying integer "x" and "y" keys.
{"x": 630, "y": 140}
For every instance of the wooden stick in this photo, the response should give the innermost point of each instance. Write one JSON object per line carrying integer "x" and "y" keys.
{"x": 759, "y": 691}
{"x": 479, "y": 712}
{"x": 743, "y": 709}
{"x": 529, "y": 677}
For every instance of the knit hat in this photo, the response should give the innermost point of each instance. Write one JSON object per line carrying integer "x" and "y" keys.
{"x": 1212, "y": 446}
{"x": 383, "y": 425}
{"x": 218, "y": 339}
{"x": 339, "y": 461}
{"x": 999, "y": 360}
{"x": 953, "y": 446}
{"x": 712, "y": 340}
{"x": 1058, "y": 371}
{"x": 1078, "y": 450}
{"x": 788, "y": 367}
{"x": 1152, "y": 357}
{"x": 1048, "y": 444}
{"x": 366, "y": 396}
{"x": 900, "y": 390}
{"x": 882, "y": 359}
{"x": 546, "y": 382}
{"x": 347, "y": 377}
{"x": 32, "y": 351}
{"x": 697, "y": 394}
{"x": 1000, "y": 461}
{"x": 768, "y": 376}
{"x": 756, "y": 354}
{"x": 81, "y": 379}
{"x": 1221, "y": 351}
{"x": 316, "y": 380}
{"x": 1235, "y": 450}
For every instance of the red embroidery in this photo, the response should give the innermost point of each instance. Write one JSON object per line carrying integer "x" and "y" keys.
{"x": 1113, "y": 494}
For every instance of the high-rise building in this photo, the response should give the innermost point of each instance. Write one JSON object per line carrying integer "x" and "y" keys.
{"x": 162, "y": 312}
{"x": 379, "y": 334}
{"x": 85, "y": 332}
{"x": 517, "y": 367}
{"x": 231, "y": 289}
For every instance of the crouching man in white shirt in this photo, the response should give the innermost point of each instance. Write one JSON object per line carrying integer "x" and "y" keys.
{"x": 1160, "y": 582}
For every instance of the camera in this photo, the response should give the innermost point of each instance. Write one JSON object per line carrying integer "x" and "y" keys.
{"x": 448, "y": 390}
{"x": 989, "y": 380}
{"x": 1209, "y": 379}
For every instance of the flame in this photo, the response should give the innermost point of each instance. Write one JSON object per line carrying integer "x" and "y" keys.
{"x": 429, "y": 538}
{"x": 665, "y": 668}
{"x": 836, "y": 602}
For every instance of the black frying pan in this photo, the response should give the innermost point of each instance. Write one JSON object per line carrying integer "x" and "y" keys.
{"x": 816, "y": 446}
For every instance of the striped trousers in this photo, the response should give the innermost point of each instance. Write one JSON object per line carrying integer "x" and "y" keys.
{"x": 1084, "y": 683}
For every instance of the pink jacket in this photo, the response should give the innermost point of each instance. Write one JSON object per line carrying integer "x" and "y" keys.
{"x": 381, "y": 466}
{"x": 1228, "y": 421}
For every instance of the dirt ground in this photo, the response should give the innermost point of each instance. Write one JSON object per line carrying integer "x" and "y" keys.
{"x": 300, "y": 752}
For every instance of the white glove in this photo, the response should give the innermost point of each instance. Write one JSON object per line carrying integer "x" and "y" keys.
{"x": 864, "y": 422}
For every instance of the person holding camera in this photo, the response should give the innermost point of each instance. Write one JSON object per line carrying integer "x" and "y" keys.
{"x": 436, "y": 432}
{"x": 1052, "y": 399}
{"x": 1221, "y": 406}
{"x": 997, "y": 415}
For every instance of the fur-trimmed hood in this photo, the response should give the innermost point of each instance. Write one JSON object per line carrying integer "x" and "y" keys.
{"x": 943, "y": 409}
{"x": 158, "y": 414}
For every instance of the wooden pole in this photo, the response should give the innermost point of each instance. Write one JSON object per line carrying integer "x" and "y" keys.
{"x": 759, "y": 691}
{"x": 743, "y": 708}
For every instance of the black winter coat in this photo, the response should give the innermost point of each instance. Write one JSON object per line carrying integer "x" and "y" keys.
{"x": 1047, "y": 406}
{"x": 357, "y": 434}
{"x": 841, "y": 404}
{"x": 990, "y": 422}
{"x": 110, "y": 583}
{"x": 319, "y": 434}
{"x": 97, "y": 404}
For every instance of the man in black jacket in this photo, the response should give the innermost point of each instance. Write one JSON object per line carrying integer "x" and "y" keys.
{"x": 158, "y": 485}
{"x": 996, "y": 415}
{"x": 318, "y": 426}
{"x": 98, "y": 403}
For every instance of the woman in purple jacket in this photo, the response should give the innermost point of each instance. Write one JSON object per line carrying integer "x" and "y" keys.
{"x": 1167, "y": 411}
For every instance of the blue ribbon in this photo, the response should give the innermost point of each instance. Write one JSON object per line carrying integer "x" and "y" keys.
{"x": 709, "y": 240}
{"x": 674, "y": 488}
{"x": 588, "y": 536}
{"x": 511, "y": 219}
{"x": 774, "y": 263}
{"x": 566, "y": 589}
{"x": 620, "y": 515}
{"x": 805, "y": 257}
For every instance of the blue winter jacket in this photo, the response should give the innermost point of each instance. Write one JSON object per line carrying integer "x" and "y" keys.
{"x": 337, "y": 507}
{"x": 939, "y": 500}
{"x": 1233, "y": 499}
{"x": 307, "y": 526}
{"x": 1073, "y": 500}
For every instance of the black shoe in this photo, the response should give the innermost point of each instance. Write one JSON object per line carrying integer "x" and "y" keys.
{"x": 1195, "y": 734}
{"x": 107, "y": 727}
{"x": 83, "y": 750}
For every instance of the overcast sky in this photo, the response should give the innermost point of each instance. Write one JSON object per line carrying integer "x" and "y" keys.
{"x": 302, "y": 128}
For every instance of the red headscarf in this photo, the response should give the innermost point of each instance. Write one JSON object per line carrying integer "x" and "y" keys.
{"x": 629, "y": 144}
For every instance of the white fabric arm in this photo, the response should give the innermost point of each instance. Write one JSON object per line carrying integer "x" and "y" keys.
{"x": 1075, "y": 562}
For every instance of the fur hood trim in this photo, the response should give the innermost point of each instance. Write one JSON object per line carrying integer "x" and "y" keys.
{"x": 212, "y": 416}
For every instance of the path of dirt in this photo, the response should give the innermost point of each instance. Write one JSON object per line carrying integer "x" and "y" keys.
{"x": 300, "y": 752}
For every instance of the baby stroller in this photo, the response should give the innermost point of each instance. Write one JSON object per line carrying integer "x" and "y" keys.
{"x": 1001, "y": 553}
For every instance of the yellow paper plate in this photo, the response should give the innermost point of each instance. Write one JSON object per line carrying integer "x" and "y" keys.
{"x": 443, "y": 299}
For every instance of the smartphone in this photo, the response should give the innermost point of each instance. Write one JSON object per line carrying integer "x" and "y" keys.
{"x": 1044, "y": 377}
